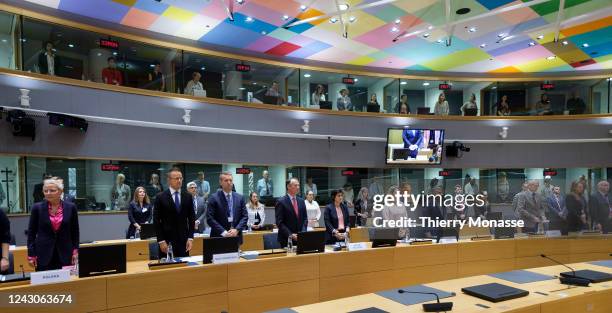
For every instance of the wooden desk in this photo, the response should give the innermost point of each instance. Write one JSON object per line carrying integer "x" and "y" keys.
{"x": 272, "y": 283}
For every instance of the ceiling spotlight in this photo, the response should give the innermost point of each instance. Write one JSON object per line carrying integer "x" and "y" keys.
{"x": 552, "y": 57}
{"x": 356, "y": 79}
{"x": 403, "y": 83}
{"x": 115, "y": 53}
{"x": 352, "y": 19}
{"x": 248, "y": 19}
{"x": 425, "y": 35}
{"x": 203, "y": 68}
{"x": 254, "y": 83}
{"x": 494, "y": 87}
{"x": 240, "y": 1}
{"x": 564, "y": 42}
{"x": 585, "y": 45}
{"x": 263, "y": 32}
{"x": 4, "y": 40}
{"x": 397, "y": 21}
{"x": 531, "y": 44}
{"x": 500, "y": 35}
{"x": 425, "y": 84}
{"x": 507, "y": 38}
{"x": 242, "y": 88}
{"x": 343, "y": 7}
{"x": 70, "y": 45}
{"x": 151, "y": 65}
{"x": 482, "y": 45}
{"x": 430, "y": 27}
{"x": 440, "y": 40}
{"x": 303, "y": 7}
{"x": 472, "y": 29}
{"x": 306, "y": 75}
{"x": 333, "y": 20}
{"x": 394, "y": 29}
{"x": 285, "y": 17}
{"x": 540, "y": 37}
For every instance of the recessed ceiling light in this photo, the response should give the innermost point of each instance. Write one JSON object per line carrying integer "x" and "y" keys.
{"x": 242, "y": 88}
{"x": 352, "y": 19}
{"x": 263, "y": 32}
{"x": 240, "y": 1}
{"x": 426, "y": 35}
{"x": 585, "y": 45}
{"x": 70, "y": 45}
{"x": 552, "y": 57}
{"x": 151, "y": 65}
{"x": 482, "y": 45}
{"x": 531, "y": 44}
{"x": 24, "y": 40}
{"x": 248, "y": 19}
{"x": 333, "y": 20}
{"x": 472, "y": 29}
{"x": 303, "y": 7}
{"x": 425, "y": 84}
{"x": 203, "y": 68}
{"x": 564, "y": 42}
{"x": 507, "y": 38}
{"x": 356, "y": 79}
{"x": 394, "y": 29}
{"x": 306, "y": 75}
{"x": 494, "y": 87}
{"x": 4, "y": 40}
{"x": 343, "y": 6}
{"x": 285, "y": 17}
{"x": 403, "y": 83}
{"x": 99, "y": 54}
{"x": 540, "y": 37}
{"x": 500, "y": 35}
{"x": 440, "y": 40}
{"x": 254, "y": 83}
{"x": 115, "y": 53}
{"x": 430, "y": 27}
{"x": 397, "y": 21}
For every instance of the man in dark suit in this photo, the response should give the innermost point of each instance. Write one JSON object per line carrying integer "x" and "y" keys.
{"x": 290, "y": 214}
{"x": 174, "y": 216}
{"x": 557, "y": 211}
{"x": 227, "y": 214}
{"x": 531, "y": 207}
{"x": 601, "y": 207}
{"x": 199, "y": 206}
{"x": 435, "y": 209}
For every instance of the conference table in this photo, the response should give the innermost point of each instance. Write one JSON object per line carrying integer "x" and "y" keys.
{"x": 284, "y": 281}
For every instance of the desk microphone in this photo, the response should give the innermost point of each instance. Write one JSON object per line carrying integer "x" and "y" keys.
{"x": 576, "y": 281}
{"x": 432, "y": 307}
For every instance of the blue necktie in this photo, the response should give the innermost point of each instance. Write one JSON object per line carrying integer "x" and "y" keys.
{"x": 177, "y": 201}
{"x": 230, "y": 205}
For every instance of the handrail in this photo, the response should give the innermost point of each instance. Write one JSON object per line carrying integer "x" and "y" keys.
{"x": 321, "y": 66}
{"x": 153, "y": 93}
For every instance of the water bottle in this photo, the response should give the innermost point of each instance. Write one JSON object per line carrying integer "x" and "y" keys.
{"x": 289, "y": 245}
{"x": 250, "y": 227}
{"x": 347, "y": 240}
{"x": 76, "y": 266}
{"x": 137, "y": 234}
{"x": 170, "y": 254}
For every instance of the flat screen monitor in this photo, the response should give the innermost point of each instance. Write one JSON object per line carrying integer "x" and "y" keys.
{"x": 373, "y": 108}
{"x": 102, "y": 260}
{"x": 409, "y": 146}
{"x": 325, "y": 105}
{"x": 471, "y": 112}
{"x": 311, "y": 242}
{"x": 383, "y": 237}
{"x": 270, "y": 100}
{"x": 218, "y": 245}
{"x": 423, "y": 111}
{"x": 147, "y": 231}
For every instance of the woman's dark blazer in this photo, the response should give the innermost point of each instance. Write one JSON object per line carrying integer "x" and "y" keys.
{"x": 331, "y": 221}
{"x": 42, "y": 240}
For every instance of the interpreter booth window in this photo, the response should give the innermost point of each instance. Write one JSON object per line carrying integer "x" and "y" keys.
{"x": 436, "y": 97}
{"x": 68, "y": 52}
{"x": 10, "y": 182}
{"x": 316, "y": 179}
{"x": 206, "y": 177}
{"x": 202, "y": 76}
{"x": 267, "y": 181}
{"x": 601, "y": 97}
{"x": 9, "y": 36}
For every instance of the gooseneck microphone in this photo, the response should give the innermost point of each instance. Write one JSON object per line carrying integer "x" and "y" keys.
{"x": 570, "y": 280}
{"x": 432, "y": 307}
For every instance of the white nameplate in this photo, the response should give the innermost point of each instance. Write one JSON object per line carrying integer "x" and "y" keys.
{"x": 448, "y": 240}
{"x": 553, "y": 233}
{"x": 223, "y": 258}
{"x": 356, "y": 246}
{"x": 275, "y": 230}
{"x": 48, "y": 277}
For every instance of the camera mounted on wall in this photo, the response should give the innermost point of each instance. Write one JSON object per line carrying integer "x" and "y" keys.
{"x": 456, "y": 149}
{"x": 21, "y": 124}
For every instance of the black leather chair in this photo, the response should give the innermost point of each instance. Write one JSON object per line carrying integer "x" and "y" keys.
{"x": 271, "y": 241}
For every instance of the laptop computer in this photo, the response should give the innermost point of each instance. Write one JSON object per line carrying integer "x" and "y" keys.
{"x": 471, "y": 112}
{"x": 423, "y": 110}
{"x": 102, "y": 260}
{"x": 447, "y": 232}
{"x": 270, "y": 100}
{"x": 590, "y": 275}
{"x": 373, "y": 108}
{"x": 400, "y": 154}
{"x": 325, "y": 105}
{"x": 218, "y": 245}
{"x": 495, "y": 292}
{"x": 311, "y": 242}
{"x": 384, "y": 237}
{"x": 147, "y": 231}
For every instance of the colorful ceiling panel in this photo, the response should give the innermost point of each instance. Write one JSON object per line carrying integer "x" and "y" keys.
{"x": 496, "y": 36}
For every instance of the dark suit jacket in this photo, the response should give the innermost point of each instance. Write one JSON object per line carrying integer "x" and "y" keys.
{"x": 286, "y": 220}
{"x": 172, "y": 226}
{"x": 600, "y": 210}
{"x": 331, "y": 221}
{"x": 433, "y": 212}
{"x": 44, "y": 66}
{"x": 218, "y": 212}
{"x": 200, "y": 212}
{"x": 5, "y": 228}
{"x": 575, "y": 208}
{"x": 42, "y": 240}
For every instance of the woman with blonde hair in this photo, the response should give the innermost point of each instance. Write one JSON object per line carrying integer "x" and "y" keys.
{"x": 441, "y": 107}
{"x": 139, "y": 211}
{"x": 576, "y": 207}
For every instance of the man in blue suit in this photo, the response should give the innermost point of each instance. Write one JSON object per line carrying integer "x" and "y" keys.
{"x": 557, "y": 211}
{"x": 227, "y": 214}
{"x": 290, "y": 214}
{"x": 412, "y": 141}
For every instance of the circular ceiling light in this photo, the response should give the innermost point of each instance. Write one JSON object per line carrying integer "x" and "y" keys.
{"x": 343, "y": 6}
{"x": 585, "y": 45}
{"x": 531, "y": 44}
{"x": 352, "y": 19}
{"x": 552, "y": 57}
{"x": 482, "y": 45}
{"x": 425, "y": 35}
{"x": 425, "y": 84}
{"x": 463, "y": 11}
{"x": 397, "y": 21}
{"x": 306, "y": 75}
{"x": 472, "y": 29}
{"x": 303, "y": 7}
{"x": 285, "y": 17}
{"x": 564, "y": 42}
{"x": 540, "y": 37}
{"x": 333, "y": 20}
{"x": 394, "y": 29}
{"x": 248, "y": 19}
{"x": 403, "y": 83}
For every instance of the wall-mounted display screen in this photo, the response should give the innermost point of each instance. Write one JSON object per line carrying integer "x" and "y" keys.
{"x": 414, "y": 146}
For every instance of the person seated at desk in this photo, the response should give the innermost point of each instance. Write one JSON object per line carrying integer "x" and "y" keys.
{"x": 199, "y": 205}
{"x": 404, "y": 109}
{"x": 53, "y": 230}
{"x": 542, "y": 107}
{"x": 291, "y": 216}
{"x": 318, "y": 95}
{"x": 344, "y": 101}
{"x": 5, "y": 240}
{"x": 194, "y": 84}
{"x": 111, "y": 75}
{"x": 312, "y": 209}
{"x": 227, "y": 214}
{"x": 139, "y": 211}
{"x": 256, "y": 212}
{"x": 336, "y": 218}
{"x": 274, "y": 91}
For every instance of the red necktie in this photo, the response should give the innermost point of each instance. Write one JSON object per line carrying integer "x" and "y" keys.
{"x": 295, "y": 206}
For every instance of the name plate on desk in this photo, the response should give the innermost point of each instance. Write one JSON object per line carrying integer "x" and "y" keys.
{"x": 223, "y": 258}
{"x": 448, "y": 240}
{"x": 356, "y": 246}
{"x": 553, "y": 233}
{"x": 48, "y": 277}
